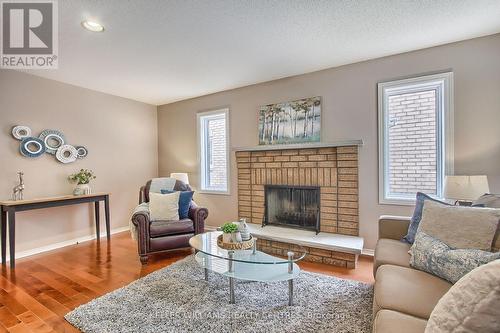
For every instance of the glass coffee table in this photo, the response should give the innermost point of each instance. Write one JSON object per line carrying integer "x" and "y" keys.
{"x": 261, "y": 263}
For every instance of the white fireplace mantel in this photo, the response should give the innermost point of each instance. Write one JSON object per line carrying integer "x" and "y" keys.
{"x": 342, "y": 143}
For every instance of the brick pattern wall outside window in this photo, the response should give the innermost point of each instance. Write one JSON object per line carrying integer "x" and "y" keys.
{"x": 334, "y": 170}
{"x": 217, "y": 168}
{"x": 412, "y": 143}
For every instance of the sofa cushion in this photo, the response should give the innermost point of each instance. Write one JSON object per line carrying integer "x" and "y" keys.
{"x": 407, "y": 290}
{"x": 460, "y": 227}
{"x": 166, "y": 228}
{"x": 471, "y": 305}
{"x": 388, "y": 321}
{"x": 392, "y": 252}
{"x": 170, "y": 242}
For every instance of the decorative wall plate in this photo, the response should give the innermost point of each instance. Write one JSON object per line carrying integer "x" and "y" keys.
{"x": 66, "y": 154}
{"x": 53, "y": 140}
{"x": 32, "y": 147}
{"x": 81, "y": 151}
{"x": 49, "y": 141}
{"x": 20, "y": 132}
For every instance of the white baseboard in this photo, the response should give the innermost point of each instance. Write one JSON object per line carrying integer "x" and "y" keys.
{"x": 59, "y": 245}
{"x": 210, "y": 228}
{"x": 368, "y": 252}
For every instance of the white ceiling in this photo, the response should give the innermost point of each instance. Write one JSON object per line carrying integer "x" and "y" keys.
{"x": 164, "y": 51}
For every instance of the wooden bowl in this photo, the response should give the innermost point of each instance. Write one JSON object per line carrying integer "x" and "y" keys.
{"x": 245, "y": 245}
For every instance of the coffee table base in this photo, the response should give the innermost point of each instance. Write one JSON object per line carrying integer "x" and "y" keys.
{"x": 232, "y": 282}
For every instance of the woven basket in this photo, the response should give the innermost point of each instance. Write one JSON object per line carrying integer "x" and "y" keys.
{"x": 245, "y": 245}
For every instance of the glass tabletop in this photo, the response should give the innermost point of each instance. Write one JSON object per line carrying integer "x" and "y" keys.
{"x": 264, "y": 253}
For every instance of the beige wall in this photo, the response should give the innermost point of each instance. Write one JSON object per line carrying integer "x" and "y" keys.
{"x": 120, "y": 135}
{"x": 350, "y": 112}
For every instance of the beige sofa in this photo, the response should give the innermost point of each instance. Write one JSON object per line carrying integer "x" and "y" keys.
{"x": 404, "y": 297}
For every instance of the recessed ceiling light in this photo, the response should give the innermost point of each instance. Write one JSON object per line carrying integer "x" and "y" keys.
{"x": 92, "y": 26}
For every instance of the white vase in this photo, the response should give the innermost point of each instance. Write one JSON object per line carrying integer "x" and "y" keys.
{"x": 82, "y": 189}
{"x": 236, "y": 237}
{"x": 243, "y": 229}
{"x": 226, "y": 238}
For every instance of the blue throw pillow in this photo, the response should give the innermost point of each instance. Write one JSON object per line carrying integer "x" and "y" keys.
{"x": 417, "y": 216}
{"x": 184, "y": 202}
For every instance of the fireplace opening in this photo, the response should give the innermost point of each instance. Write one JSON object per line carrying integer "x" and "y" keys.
{"x": 292, "y": 206}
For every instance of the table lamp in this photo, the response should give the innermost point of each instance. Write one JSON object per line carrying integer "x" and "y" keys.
{"x": 465, "y": 189}
{"x": 182, "y": 176}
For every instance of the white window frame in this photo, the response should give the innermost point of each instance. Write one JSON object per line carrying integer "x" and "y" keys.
{"x": 443, "y": 84}
{"x": 201, "y": 138}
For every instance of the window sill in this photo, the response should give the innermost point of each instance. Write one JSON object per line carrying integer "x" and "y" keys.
{"x": 403, "y": 201}
{"x": 397, "y": 202}
{"x": 214, "y": 192}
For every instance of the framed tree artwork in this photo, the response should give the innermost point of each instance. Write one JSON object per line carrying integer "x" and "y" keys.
{"x": 290, "y": 122}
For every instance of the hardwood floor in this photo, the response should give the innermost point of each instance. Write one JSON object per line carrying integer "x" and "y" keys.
{"x": 43, "y": 288}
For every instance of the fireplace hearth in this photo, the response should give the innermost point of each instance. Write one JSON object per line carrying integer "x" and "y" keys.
{"x": 292, "y": 206}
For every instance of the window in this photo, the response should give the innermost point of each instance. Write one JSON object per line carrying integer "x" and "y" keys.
{"x": 214, "y": 152}
{"x": 415, "y": 137}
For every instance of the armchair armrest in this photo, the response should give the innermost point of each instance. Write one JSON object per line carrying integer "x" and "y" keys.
{"x": 198, "y": 215}
{"x": 140, "y": 220}
{"x": 393, "y": 227}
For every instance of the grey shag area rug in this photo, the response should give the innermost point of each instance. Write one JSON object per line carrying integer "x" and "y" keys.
{"x": 178, "y": 299}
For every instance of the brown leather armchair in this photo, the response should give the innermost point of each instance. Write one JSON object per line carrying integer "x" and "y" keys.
{"x": 161, "y": 236}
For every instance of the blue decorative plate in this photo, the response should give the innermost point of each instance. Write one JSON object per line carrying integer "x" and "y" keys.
{"x": 81, "y": 151}
{"x": 52, "y": 139}
{"x": 32, "y": 147}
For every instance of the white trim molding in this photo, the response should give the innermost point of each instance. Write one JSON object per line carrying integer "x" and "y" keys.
{"x": 69, "y": 242}
{"x": 343, "y": 143}
{"x": 442, "y": 84}
{"x": 368, "y": 252}
{"x": 201, "y": 139}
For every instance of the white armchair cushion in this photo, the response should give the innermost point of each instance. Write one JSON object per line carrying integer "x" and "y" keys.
{"x": 164, "y": 206}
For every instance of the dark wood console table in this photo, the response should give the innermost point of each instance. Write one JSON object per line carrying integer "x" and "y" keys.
{"x": 10, "y": 207}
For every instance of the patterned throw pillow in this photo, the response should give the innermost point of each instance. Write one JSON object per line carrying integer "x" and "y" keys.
{"x": 417, "y": 216}
{"x": 431, "y": 255}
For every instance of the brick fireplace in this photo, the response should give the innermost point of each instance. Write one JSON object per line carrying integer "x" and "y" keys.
{"x": 333, "y": 169}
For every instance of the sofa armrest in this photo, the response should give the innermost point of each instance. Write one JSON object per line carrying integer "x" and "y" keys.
{"x": 393, "y": 227}
{"x": 198, "y": 215}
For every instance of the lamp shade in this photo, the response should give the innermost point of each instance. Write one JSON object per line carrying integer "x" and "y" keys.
{"x": 182, "y": 176}
{"x": 465, "y": 187}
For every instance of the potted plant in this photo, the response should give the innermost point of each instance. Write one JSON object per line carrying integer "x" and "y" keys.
{"x": 82, "y": 180}
{"x": 230, "y": 233}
